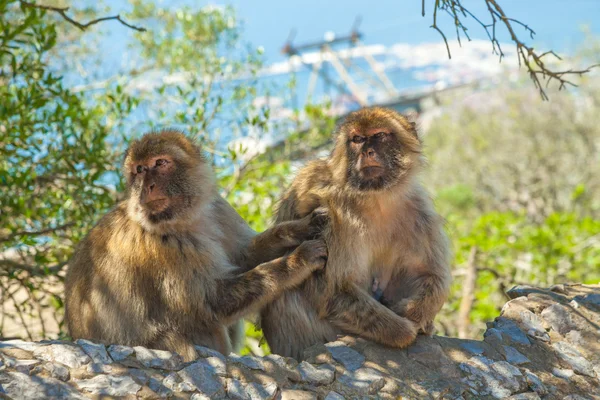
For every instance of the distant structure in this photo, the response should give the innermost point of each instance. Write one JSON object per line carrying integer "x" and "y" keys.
{"x": 376, "y": 88}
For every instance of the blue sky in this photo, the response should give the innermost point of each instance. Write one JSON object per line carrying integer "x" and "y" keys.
{"x": 268, "y": 22}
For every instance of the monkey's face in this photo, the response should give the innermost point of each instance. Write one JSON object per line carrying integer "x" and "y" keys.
{"x": 381, "y": 147}
{"x": 166, "y": 177}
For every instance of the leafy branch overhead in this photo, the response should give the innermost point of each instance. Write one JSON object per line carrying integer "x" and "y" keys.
{"x": 63, "y": 13}
{"x": 535, "y": 62}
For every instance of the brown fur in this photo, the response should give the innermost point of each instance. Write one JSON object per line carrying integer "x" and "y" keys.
{"x": 384, "y": 234}
{"x": 172, "y": 266}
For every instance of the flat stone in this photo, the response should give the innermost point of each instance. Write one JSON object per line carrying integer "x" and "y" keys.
{"x": 57, "y": 371}
{"x": 18, "y": 385}
{"x": 349, "y": 358}
{"x": 172, "y": 380}
{"x": 120, "y": 353}
{"x": 472, "y": 346}
{"x": 592, "y": 299}
{"x": 68, "y": 354}
{"x": 573, "y": 357}
{"x": 513, "y": 356}
{"x": 288, "y": 394}
{"x": 97, "y": 352}
{"x": 559, "y": 318}
{"x": 247, "y": 361}
{"x": 317, "y": 354}
{"x": 218, "y": 364}
{"x": 257, "y": 391}
{"x": 334, "y": 396}
{"x": 496, "y": 378}
{"x": 202, "y": 377}
{"x": 534, "y": 325}
{"x": 206, "y": 352}
{"x": 235, "y": 390}
{"x": 563, "y": 373}
{"x": 535, "y": 383}
{"x": 521, "y": 290}
{"x": 198, "y": 396}
{"x": 158, "y": 358}
{"x": 282, "y": 362}
{"x": 20, "y": 344}
{"x": 109, "y": 385}
{"x": 363, "y": 381}
{"x": 511, "y": 331}
{"x": 23, "y": 366}
{"x": 316, "y": 376}
{"x": 525, "y": 396}
{"x": 96, "y": 368}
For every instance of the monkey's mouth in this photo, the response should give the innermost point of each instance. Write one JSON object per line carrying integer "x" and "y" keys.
{"x": 157, "y": 205}
{"x": 372, "y": 172}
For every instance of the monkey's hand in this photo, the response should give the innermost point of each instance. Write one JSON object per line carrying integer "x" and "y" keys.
{"x": 413, "y": 310}
{"x": 311, "y": 254}
{"x": 319, "y": 219}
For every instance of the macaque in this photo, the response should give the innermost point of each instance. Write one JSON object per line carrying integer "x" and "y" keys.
{"x": 387, "y": 272}
{"x": 173, "y": 265}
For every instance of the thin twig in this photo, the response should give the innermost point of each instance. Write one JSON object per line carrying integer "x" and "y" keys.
{"x": 434, "y": 26}
{"x": 539, "y": 72}
{"x": 63, "y": 13}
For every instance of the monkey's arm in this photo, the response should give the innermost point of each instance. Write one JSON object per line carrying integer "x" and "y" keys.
{"x": 283, "y": 237}
{"x": 354, "y": 311}
{"x": 248, "y": 292}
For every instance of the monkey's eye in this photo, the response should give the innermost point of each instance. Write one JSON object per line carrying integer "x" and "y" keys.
{"x": 139, "y": 169}
{"x": 358, "y": 139}
{"x": 380, "y": 135}
{"x": 161, "y": 162}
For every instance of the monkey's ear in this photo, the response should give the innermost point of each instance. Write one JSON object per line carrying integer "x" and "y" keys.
{"x": 412, "y": 118}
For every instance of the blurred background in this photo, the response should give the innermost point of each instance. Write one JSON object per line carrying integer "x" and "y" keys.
{"x": 513, "y": 161}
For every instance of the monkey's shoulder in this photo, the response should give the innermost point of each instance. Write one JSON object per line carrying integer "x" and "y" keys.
{"x": 307, "y": 192}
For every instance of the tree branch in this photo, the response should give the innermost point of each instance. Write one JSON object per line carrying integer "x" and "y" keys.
{"x": 63, "y": 13}
{"x": 534, "y": 62}
{"x": 9, "y": 266}
{"x": 37, "y": 233}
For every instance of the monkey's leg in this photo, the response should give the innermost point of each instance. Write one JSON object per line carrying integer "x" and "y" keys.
{"x": 283, "y": 237}
{"x": 426, "y": 296}
{"x": 174, "y": 341}
{"x": 291, "y": 324}
{"x": 248, "y": 292}
{"x": 354, "y": 311}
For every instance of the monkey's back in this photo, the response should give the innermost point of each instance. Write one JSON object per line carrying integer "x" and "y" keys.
{"x": 127, "y": 286}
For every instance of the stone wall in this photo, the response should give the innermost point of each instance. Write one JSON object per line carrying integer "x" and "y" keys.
{"x": 545, "y": 344}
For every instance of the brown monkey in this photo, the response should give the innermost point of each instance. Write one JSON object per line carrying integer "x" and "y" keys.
{"x": 172, "y": 265}
{"x": 387, "y": 272}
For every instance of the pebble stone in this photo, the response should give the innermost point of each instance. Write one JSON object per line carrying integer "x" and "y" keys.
{"x": 158, "y": 358}
{"x": 120, "y": 353}
{"x": 109, "y": 385}
{"x": 313, "y": 375}
{"x": 349, "y": 358}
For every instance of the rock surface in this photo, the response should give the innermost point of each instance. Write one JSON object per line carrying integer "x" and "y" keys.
{"x": 544, "y": 345}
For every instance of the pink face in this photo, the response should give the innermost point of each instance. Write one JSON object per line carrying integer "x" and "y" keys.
{"x": 153, "y": 176}
{"x": 367, "y": 147}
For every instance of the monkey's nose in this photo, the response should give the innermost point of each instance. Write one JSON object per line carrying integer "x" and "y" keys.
{"x": 370, "y": 152}
{"x": 151, "y": 186}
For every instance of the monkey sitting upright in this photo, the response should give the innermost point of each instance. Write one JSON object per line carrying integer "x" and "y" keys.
{"x": 388, "y": 271}
{"x": 172, "y": 266}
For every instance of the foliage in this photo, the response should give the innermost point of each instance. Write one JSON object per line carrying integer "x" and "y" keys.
{"x": 511, "y": 250}
{"x": 513, "y": 176}
{"x": 53, "y": 161}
